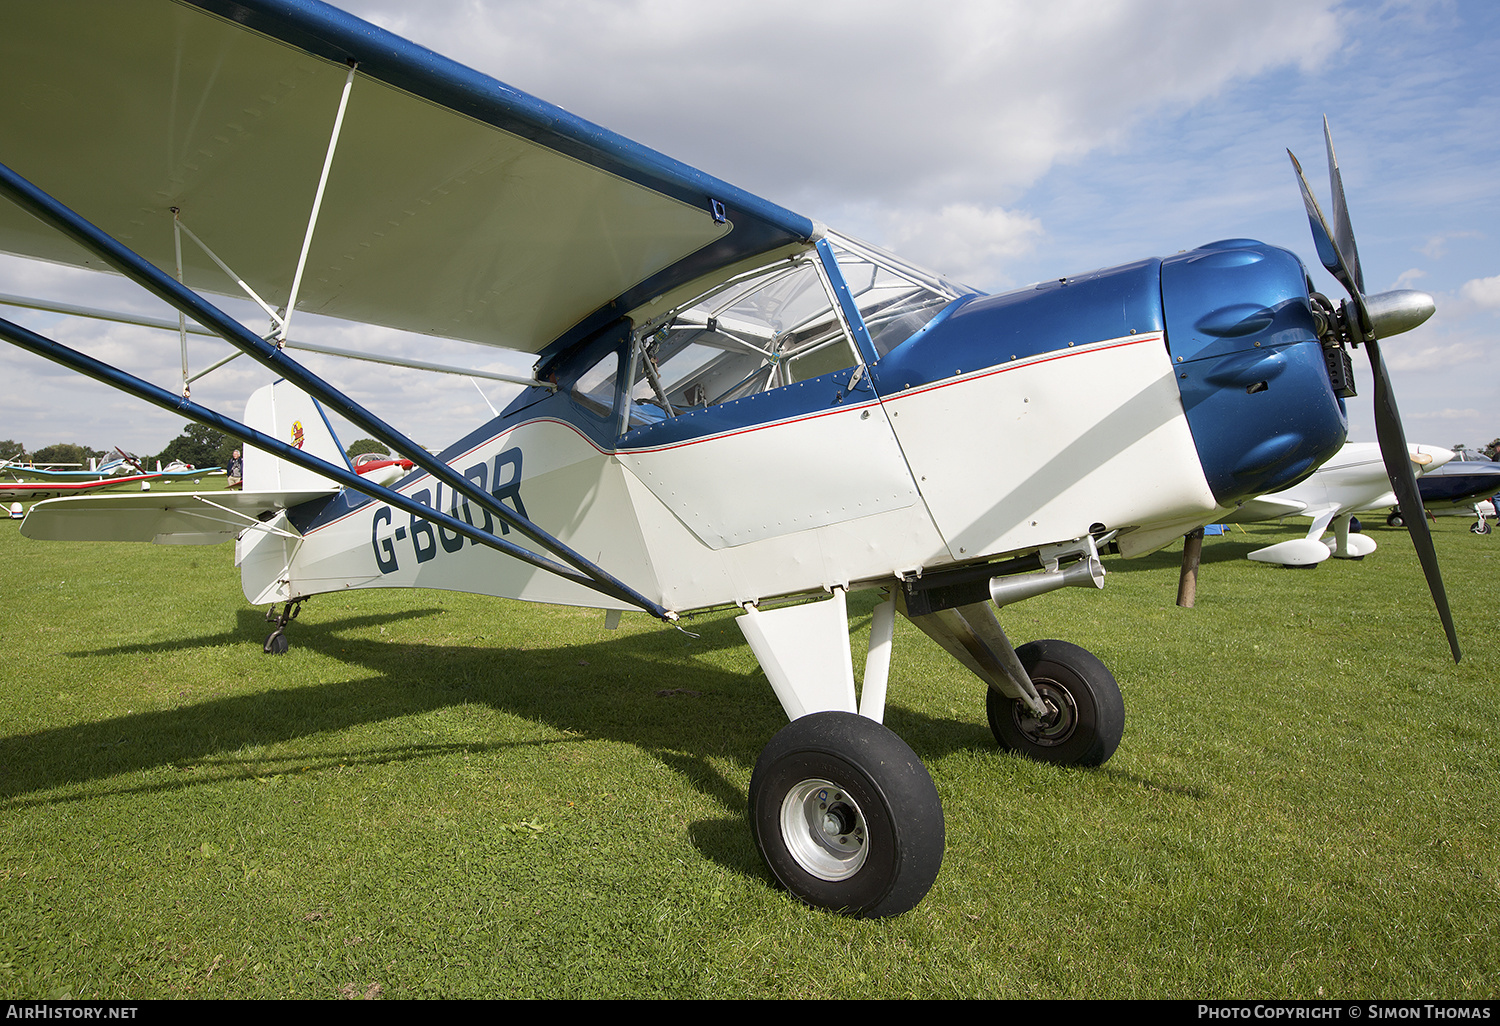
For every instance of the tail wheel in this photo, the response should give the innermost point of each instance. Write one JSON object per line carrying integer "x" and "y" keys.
{"x": 846, "y": 816}
{"x": 1085, "y": 712}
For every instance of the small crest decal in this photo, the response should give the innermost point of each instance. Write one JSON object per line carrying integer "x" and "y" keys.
{"x": 297, "y": 435}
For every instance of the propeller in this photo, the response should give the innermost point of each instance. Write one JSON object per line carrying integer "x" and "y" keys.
{"x": 133, "y": 460}
{"x": 1367, "y": 320}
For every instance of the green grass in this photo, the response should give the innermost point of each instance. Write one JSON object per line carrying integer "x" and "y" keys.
{"x": 439, "y": 795}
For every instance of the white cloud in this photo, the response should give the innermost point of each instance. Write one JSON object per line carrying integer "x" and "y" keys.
{"x": 812, "y": 104}
{"x": 1408, "y": 352}
{"x": 967, "y": 241}
{"x": 1448, "y": 414}
{"x": 1437, "y": 246}
{"x": 1483, "y": 292}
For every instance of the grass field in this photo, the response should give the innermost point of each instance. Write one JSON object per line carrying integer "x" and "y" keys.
{"x": 438, "y": 795}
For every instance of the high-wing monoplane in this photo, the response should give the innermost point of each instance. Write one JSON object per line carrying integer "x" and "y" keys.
{"x": 1353, "y": 481}
{"x": 731, "y": 404}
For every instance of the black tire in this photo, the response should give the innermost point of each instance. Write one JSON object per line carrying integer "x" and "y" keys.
{"x": 836, "y": 769}
{"x": 276, "y": 643}
{"x": 1480, "y": 527}
{"x": 1395, "y": 520}
{"x": 1088, "y": 711}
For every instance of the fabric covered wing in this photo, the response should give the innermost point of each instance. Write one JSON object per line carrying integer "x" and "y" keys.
{"x": 456, "y": 206}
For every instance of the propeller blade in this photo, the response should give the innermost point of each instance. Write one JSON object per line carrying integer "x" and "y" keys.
{"x": 1398, "y": 466}
{"x": 131, "y": 458}
{"x": 1384, "y": 314}
{"x": 1328, "y": 251}
{"x": 1343, "y": 231}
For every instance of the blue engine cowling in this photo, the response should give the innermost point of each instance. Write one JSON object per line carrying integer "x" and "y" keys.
{"x": 1251, "y": 371}
{"x": 1239, "y": 330}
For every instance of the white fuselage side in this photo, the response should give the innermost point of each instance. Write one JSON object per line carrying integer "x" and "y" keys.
{"x": 1003, "y": 460}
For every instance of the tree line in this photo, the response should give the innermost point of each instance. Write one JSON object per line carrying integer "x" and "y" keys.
{"x": 202, "y": 446}
{"x": 197, "y": 446}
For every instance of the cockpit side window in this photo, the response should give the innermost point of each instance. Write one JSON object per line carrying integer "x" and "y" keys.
{"x": 595, "y": 388}
{"x": 771, "y": 328}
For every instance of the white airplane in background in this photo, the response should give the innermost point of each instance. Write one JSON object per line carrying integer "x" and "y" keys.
{"x": 731, "y": 404}
{"x": 34, "y": 491}
{"x": 1351, "y": 482}
{"x": 117, "y": 467}
{"x": 113, "y": 468}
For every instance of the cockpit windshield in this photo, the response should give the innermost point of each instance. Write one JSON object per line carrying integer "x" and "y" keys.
{"x": 895, "y": 299}
{"x": 775, "y": 326}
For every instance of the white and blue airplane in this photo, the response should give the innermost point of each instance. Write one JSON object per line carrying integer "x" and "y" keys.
{"x": 1467, "y": 485}
{"x": 123, "y": 464}
{"x": 117, "y": 467}
{"x": 1353, "y": 481}
{"x": 731, "y": 403}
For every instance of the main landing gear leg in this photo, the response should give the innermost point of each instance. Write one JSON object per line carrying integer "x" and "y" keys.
{"x": 1085, "y": 716}
{"x": 1048, "y": 700}
{"x": 276, "y": 641}
{"x": 1480, "y": 525}
{"x": 843, "y": 812}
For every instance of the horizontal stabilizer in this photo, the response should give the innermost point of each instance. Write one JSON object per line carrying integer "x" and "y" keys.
{"x": 166, "y": 518}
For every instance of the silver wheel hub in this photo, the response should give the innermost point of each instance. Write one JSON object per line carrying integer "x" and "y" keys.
{"x": 824, "y": 829}
{"x": 1061, "y": 719}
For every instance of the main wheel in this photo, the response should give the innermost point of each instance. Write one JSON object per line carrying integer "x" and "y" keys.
{"x": 1086, "y": 713}
{"x": 846, "y": 816}
{"x": 1480, "y": 527}
{"x": 1395, "y": 520}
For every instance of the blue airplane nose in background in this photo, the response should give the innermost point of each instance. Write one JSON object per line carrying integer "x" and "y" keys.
{"x": 1251, "y": 371}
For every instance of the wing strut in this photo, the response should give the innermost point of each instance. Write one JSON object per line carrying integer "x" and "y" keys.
{"x": 100, "y": 371}
{"x": 312, "y": 219}
{"x": 141, "y": 321}
{"x": 169, "y": 290}
{"x": 182, "y": 332}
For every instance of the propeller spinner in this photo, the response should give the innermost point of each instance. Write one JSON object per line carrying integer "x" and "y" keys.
{"x": 1367, "y": 320}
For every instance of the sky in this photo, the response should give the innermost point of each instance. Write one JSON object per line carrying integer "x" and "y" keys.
{"x": 998, "y": 143}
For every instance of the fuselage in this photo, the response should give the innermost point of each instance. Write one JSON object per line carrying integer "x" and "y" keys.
{"x": 1138, "y": 399}
{"x": 1460, "y": 483}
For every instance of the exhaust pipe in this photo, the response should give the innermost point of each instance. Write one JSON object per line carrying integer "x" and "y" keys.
{"x": 1086, "y": 573}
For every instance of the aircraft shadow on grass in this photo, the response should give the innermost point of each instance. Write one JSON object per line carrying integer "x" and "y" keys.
{"x": 638, "y": 703}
